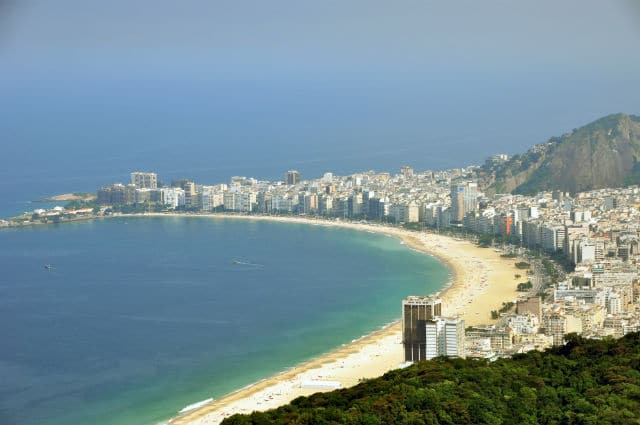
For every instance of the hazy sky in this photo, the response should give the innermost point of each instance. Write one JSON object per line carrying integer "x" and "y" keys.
{"x": 297, "y": 38}
{"x": 209, "y": 89}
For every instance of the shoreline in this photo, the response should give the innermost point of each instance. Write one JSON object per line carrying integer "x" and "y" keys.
{"x": 466, "y": 294}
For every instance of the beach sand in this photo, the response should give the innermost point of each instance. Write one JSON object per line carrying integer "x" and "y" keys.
{"x": 481, "y": 281}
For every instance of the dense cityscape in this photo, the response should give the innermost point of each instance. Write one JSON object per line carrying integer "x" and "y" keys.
{"x": 578, "y": 254}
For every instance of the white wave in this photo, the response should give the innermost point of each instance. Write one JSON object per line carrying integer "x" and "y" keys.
{"x": 195, "y": 405}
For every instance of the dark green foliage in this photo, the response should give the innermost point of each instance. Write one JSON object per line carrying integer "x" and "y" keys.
{"x": 584, "y": 382}
{"x": 78, "y": 204}
{"x": 485, "y": 241}
{"x": 525, "y": 286}
{"x": 561, "y": 259}
{"x": 495, "y": 314}
{"x": 413, "y": 226}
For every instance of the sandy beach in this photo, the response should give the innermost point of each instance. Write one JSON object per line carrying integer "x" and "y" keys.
{"x": 481, "y": 281}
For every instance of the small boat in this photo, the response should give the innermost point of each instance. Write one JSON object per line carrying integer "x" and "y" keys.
{"x": 246, "y": 263}
{"x": 48, "y": 266}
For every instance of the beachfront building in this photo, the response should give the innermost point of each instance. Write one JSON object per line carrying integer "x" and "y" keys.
{"x": 416, "y": 311}
{"x": 444, "y": 336}
{"x": 293, "y": 177}
{"x": 143, "y": 180}
{"x": 172, "y": 196}
{"x": 463, "y": 200}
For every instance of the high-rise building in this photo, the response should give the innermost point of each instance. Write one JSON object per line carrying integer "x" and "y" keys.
{"x": 464, "y": 198}
{"x": 189, "y": 187}
{"x": 144, "y": 180}
{"x": 111, "y": 195}
{"x": 416, "y": 311}
{"x": 330, "y": 189}
{"x": 444, "y": 336}
{"x": 558, "y": 324}
{"x": 355, "y": 205}
{"x": 293, "y": 177}
{"x": 407, "y": 172}
{"x": 172, "y": 196}
{"x": 310, "y": 203}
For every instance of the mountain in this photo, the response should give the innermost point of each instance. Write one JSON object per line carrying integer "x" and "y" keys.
{"x": 583, "y": 382}
{"x": 605, "y": 153}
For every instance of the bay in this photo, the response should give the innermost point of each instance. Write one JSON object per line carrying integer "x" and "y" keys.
{"x": 141, "y": 316}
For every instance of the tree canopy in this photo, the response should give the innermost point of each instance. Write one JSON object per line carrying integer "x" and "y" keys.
{"x": 584, "y": 382}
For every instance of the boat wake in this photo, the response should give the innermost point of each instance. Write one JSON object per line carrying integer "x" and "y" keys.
{"x": 246, "y": 263}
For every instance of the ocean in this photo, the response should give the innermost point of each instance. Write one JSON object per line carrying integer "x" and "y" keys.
{"x": 64, "y": 134}
{"x": 142, "y": 316}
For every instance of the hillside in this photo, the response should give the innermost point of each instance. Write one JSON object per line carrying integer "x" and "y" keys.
{"x": 605, "y": 153}
{"x": 584, "y": 382}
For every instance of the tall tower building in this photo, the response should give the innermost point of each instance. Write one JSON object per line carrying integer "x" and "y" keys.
{"x": 144, "y": 180}
{"x": 416, "y": 312}
{"x": 293, "y": 177}
{"x": 464, "y": 198}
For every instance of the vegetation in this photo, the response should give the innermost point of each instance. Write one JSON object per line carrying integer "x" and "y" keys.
{"x": 559, "y": 258}
{"x": 611, "y": 145}
{"x": 583, "y": 382}
{"x": 78, "y": 204}
{"x": 505, "y": 308}
{"x": 550, "y": 270}
{"x": 485, "y": 241}
{"x": 525, "y": 286}
{"x": 139, "y": 208}
{"x": 413, "y": 226}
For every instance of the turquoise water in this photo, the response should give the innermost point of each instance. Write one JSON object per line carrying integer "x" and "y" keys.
{"x": 142, "y": 316}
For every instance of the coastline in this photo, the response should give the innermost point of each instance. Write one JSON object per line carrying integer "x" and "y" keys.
{"x": 480, "y": 281}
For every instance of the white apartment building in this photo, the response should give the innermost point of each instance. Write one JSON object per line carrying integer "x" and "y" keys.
{"x": 172, "y": 196}
{"x": 444, "y": 337}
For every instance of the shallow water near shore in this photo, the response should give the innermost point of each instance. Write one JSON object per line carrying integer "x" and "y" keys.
{"x": 140, "y": 317}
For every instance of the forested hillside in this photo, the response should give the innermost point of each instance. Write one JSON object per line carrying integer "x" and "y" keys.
{"x": 605, "y": 153}
{"x": 584, "y": 382}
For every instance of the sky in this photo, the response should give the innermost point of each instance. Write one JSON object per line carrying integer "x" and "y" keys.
{"x": 309, "y": 39}
{"x": 210, "y": 89}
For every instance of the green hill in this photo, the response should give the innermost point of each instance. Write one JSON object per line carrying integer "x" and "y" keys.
{"x": 605, "y": 153}
{"x": 584, "y": 382}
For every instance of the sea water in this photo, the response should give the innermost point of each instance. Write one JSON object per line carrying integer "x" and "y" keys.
{"x": 139, "y": 317}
